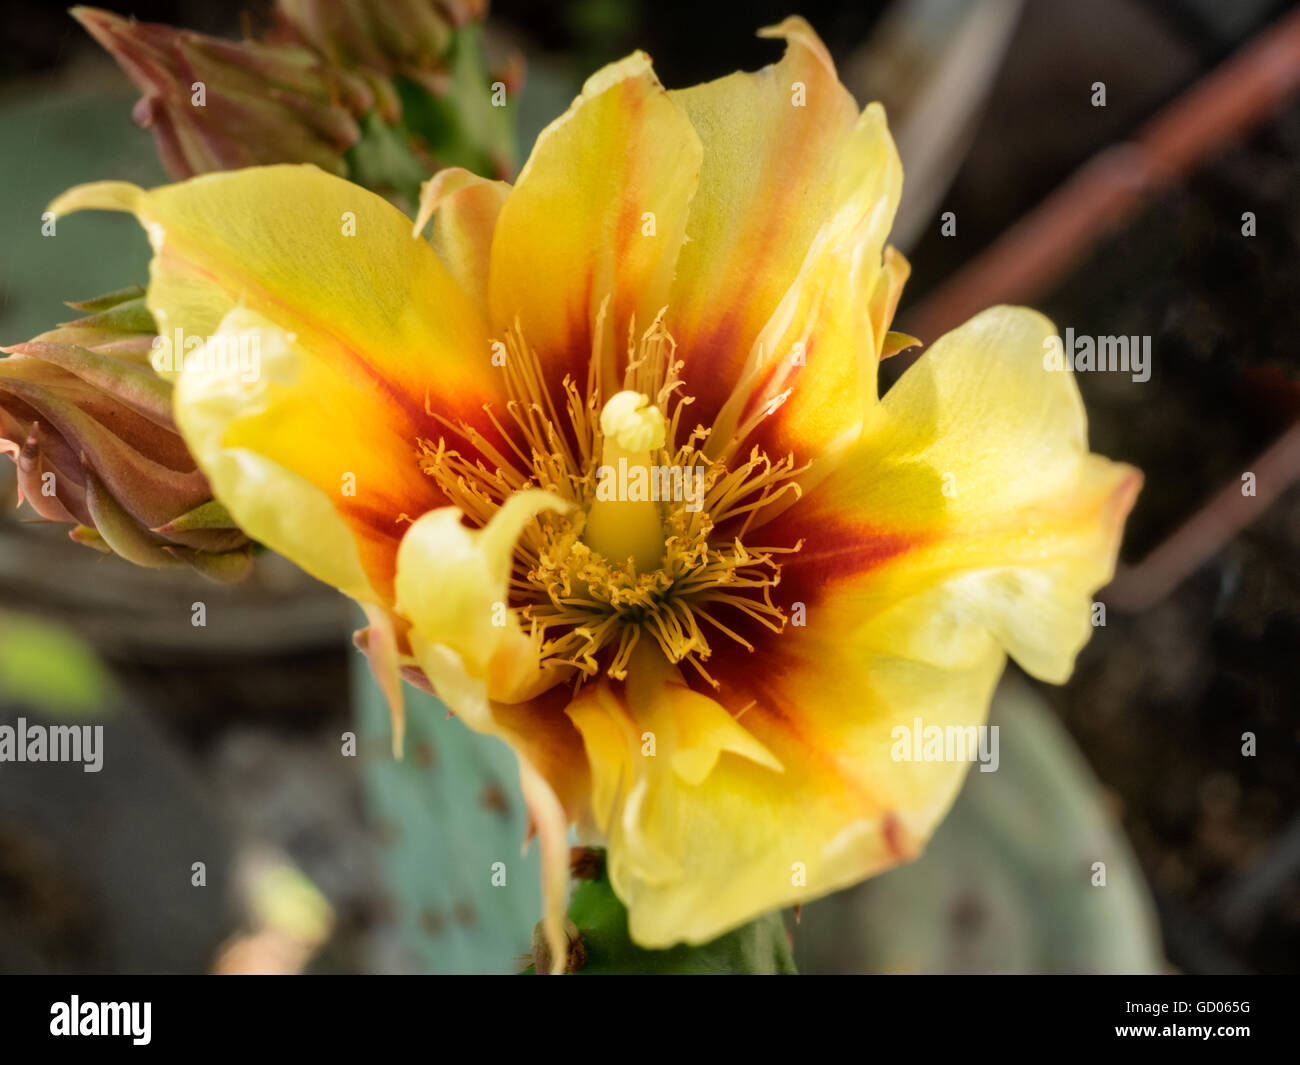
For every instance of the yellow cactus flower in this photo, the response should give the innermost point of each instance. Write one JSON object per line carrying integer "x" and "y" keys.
{"x": 606, "y": 464}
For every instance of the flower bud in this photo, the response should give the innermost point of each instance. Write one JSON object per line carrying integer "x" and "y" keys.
{"x": 381, "y": 92}
{"x": 383, "y": 36}
{"x": 220, "y": 105}
{"x": 89, "y": 425}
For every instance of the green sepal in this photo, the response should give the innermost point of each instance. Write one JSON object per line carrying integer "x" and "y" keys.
{"x": 209, "y": 515}
{"x": 760, "y": 947}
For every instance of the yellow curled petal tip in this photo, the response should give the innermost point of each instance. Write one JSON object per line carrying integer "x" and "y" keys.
{"x": 97, "y": 195}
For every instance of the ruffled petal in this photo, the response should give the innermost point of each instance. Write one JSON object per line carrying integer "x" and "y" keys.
{"x": 781, "y": 789}
{"x": 453, "y": 586}
{"x": 464, "y": 208}
{"x": 973, "y": 474}
{"x": 810, "y": 378}
{"x": 364, "y": 335}
{"x": 597, "y": 214}
{"x": 255, "y": 435}
{"x": 773, "y": 144}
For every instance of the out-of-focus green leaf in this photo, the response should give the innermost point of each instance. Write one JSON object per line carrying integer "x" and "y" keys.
{"x": 463, "y": 127}
{"x": 382, "y": 160}
{"x": 50, "y": 670}
{"x": 56, "y": 135}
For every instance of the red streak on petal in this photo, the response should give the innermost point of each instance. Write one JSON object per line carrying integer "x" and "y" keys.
{"x": 834, "y": 549}
{"x": 895, "y": 839}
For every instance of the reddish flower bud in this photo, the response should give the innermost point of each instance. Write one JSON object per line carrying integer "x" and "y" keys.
{"x": 89, "y": 425}
{"x": 219, "y": 105}
{"x": 379, "y": 91}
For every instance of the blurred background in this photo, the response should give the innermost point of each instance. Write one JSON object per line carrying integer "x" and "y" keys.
{"x": 225, "y": 743}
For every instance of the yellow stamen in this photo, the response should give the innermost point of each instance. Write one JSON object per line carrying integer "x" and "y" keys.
{"x": 594, "y": 582}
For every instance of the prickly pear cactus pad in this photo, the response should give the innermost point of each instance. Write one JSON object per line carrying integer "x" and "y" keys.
{"x": 451, "y": 822}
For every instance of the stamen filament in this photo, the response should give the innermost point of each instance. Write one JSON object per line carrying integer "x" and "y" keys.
{"x": 590, "y": 584}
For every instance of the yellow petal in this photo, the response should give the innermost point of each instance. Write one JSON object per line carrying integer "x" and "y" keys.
{"x": 907, "y": 597}
{"x": 464, "y": 208}
{"x": 453, "y": 586}
{"x": 895, "y": 270}
{"x": 773, "y": 143}
{"x": 972, "y": 474}
{"x": 315, "y": 254}
{"x": 368, "y": 328}
{"x": 648, "y": 742}
{"x": 598, "y": 213}
{"x": 784, "y": 790}
{"x": 812, "y": 370}
{"x": 243, "y": 431}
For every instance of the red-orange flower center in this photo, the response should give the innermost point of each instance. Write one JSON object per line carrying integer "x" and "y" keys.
{"x": 696, "y": 499}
